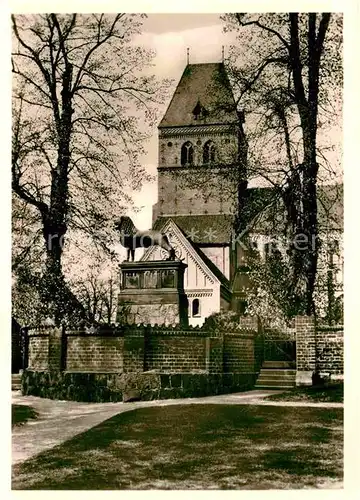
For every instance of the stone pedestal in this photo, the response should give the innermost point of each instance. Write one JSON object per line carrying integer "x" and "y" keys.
{"x": 152, "y": 292}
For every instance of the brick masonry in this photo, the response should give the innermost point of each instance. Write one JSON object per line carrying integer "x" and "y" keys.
{"x": 56, "y": 348}
{"x": 239, "y": 352}
{"x": 145, "y": 348}
{"x": 98, "y": 354}
{"x": 39, "y": 351}
{"x": 318, "y": 349}
{"x": 176, "y": 354}
{"x": 178, "y": 351}
{"x": 305, "y": 343}
{"x": 330, "y": 348}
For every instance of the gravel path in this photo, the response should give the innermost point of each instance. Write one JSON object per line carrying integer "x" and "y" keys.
{"x": 59, "y": 421}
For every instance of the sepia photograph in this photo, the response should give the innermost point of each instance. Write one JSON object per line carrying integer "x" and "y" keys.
{"x": 177, "y": 258}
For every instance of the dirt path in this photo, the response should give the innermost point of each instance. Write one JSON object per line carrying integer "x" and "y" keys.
{"x": 59, "y": 421}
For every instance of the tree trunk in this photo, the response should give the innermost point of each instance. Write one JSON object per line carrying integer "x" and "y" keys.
{"x": 60, "y": 298}
{"x": 310, "y": 223}
{"x": 308, "y": 110}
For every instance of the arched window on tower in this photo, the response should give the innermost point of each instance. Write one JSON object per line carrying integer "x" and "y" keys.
{"x": 195, "y": 307}
{"x": 187, "y": 153}
{"x": 209, "y": 152}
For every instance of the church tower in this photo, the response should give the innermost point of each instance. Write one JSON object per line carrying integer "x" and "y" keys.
{"x": 202, "y": 158}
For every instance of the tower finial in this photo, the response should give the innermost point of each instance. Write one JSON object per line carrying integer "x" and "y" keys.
{"x": 222, "y": 54}
{"x": 187, "y": 54}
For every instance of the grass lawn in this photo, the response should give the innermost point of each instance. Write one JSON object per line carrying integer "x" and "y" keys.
{"x": 21, "y": 413}
{"x": 196, "y": 447}
{"x": 332, "y": 394}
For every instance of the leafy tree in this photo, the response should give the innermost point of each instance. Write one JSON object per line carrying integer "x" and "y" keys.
{"x": 80, "y": 87}
{"x": 288, "y": 72}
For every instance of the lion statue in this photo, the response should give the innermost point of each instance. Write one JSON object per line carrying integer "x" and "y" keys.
{"x": 131, "y": 238}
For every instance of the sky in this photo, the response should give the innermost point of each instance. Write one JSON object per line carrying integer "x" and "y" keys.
{"x": 170, "y": 35}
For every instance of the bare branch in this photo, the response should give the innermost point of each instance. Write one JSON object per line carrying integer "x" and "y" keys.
{"x": 95, "y": 47}
{"x": 40, "y": 65}
{"x": 266, "y": 28}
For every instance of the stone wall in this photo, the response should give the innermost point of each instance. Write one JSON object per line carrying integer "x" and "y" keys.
{"x": 113, "y": 387}
{"x": 179, "y": 191}
{"x": 141, "y": 348}
{"x": 179, "y": 194}
{"x": 174, "y": 350}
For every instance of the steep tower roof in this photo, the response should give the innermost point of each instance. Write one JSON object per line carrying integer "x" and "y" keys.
{"x": 203, "y": 96}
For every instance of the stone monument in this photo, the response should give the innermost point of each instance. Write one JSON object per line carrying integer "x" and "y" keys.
{"x": 152, "y": 292}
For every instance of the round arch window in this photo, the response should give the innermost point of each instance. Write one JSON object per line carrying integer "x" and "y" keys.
{"x": 195, "y": 307}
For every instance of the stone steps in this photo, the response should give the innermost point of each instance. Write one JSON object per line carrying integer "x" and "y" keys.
{"x": 279, "y": 365}
{"x": 15, "y": 381}
{"x": 276, "y": 378}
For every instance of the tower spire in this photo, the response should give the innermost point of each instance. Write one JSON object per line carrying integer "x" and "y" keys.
{"x": 187, "y": 54}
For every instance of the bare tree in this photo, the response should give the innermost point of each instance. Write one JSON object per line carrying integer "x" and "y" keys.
{"x": 80, "y": 86}
{"x": 98, "y": 294}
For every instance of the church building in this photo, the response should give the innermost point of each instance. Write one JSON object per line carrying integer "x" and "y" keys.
{"x": 202, "y": 153}
{"x": 201, "y": 164}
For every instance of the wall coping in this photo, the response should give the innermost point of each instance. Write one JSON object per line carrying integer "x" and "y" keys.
{"x": 116, "y": 331}
{"x": 39, "y": 333}
{"x": 330, "y": 328}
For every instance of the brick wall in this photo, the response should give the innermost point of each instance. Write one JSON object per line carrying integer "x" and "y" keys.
{"x": 318, "y": 348}
{"x": 305, "y": 343}
{"x": 90, "y": 353}
{"x": 56, "y": 354}
{"x": 134, "y": 350}
{"x": 239, "y": 353}
{"x": 188, "y": 363}
{"x": 330, "y": 349}
{"x": 215, "y": 354}
{"x": 38, "y": 351}
{"x": 143, "y": 348}
{"x": 175, "y": 354}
